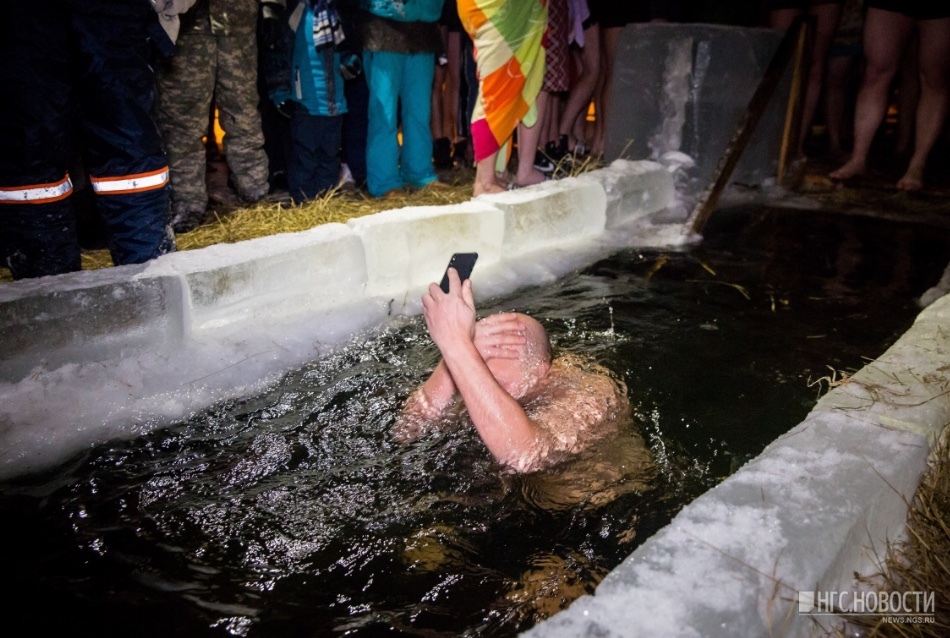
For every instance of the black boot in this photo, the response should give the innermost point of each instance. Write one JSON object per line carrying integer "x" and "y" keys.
{"x": 460, "y": 153}
{"x": 558, "y": 151}
{"x": 187, "y": 221}
{"x": 442, "y": 153}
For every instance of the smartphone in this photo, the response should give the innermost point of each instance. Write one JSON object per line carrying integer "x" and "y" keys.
{"x": 463, "y": 263}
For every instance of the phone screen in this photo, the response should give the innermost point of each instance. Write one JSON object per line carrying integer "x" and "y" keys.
{"x": 463, "y": 263}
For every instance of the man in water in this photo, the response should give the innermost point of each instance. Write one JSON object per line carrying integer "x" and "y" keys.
{"x": 530, "y": 411}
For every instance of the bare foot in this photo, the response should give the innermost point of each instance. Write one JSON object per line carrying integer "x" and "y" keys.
{"x": 488, "y": 187}
{"x": 530, "y": 177}
{"x": 851, "y": 168}
{"x": 913, "y": 179}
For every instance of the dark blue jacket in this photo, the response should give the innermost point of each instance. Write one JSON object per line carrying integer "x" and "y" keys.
{"x": 314, "y": 82}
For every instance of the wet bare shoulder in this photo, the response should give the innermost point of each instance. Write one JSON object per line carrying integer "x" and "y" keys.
{"x": 577, "y": 407}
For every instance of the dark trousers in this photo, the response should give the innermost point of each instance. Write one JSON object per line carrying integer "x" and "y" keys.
{"x": 470, "y": 79}
{"x": 355, "y": 122}
{"x": 77, "y": 80}
{"x": 314, "y": 165}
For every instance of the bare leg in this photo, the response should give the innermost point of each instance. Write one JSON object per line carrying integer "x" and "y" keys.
{"x": 548, "y": 132}
{"x": 602, "y": 94}
{"x": 836, "y": 98}
{"x": 555, "y": 106}
{"x": 528, "y": 144}
{"x": 485, "y": 179}
{"x": 827, "y": 16}
{"x": 934, "y": 91}
{"x": 580, "y": 95}
{"x": 885, "y": 35}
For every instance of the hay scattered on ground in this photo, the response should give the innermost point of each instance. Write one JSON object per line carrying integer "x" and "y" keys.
{"x": 230, "y": 224}
{"x": 922, "y": 561}
{"x": 265, "y": 219}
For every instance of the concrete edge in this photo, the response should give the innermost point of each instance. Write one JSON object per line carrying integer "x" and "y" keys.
{"x": 819, "y": 505}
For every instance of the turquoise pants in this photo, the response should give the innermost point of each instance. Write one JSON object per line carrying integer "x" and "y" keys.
{"x": 400, "y": 84}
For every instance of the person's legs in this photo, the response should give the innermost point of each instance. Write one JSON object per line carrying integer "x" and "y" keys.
{"x": 37, "y": 221}
{"x": 453, "y": 51}
{"x": 441, "y": 133}
{"x": 837, "y": 81}
{"x": 608, "y": 58}
{"x": 414, "y": 92}
{"x": 236, "y": 97}
{"x": 546, "y": 134}
{"x": 826, "y": 20}
{"x": 121, "y": 142}
{"x": 383, "y": 76}
{"x": 449, "y": 83}
{"x": 932, "y": 107}
{"x": 274, "y": 125}
{"x": 185, "y": 89}
{"x": 827, "y": 16}
{"x": 436, "y": 122}
{"x": 470, "y": 73}
{"x": 885, "y": 35}
{"x": 314, "y": 166}
{"x": 580, "y": 95}
{"x": 486, "y": 180}
{"x": 354, "y": 127}
{"x": 555, "y": 109}
{"x": 528, "y": 137}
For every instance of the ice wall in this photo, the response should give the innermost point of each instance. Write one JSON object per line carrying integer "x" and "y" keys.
{"x": 94, "y": 355}
{"x": 681, "y": 89}
{"x": 817, "y": 506}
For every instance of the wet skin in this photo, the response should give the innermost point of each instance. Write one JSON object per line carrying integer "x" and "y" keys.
{"x": 528, "y": 411}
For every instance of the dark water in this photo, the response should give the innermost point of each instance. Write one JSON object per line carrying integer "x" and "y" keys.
{"x": 294, "y": 513}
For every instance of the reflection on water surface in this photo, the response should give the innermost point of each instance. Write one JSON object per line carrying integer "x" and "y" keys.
{"x": 295, "y": 513}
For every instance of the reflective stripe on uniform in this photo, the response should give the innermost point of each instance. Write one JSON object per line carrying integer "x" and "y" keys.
{"x": 37, "y": 193}
{"x": 125, "y": 184}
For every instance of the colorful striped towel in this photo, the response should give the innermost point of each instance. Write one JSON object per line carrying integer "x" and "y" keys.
{"x": 509, "y": 55}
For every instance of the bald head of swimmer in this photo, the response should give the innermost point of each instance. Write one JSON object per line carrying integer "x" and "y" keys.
{"x": 518, "y": 376}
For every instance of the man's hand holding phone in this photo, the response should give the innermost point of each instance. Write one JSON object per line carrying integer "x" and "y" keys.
{"x": 463, "y": 263}
{"x": 450, "y": 317}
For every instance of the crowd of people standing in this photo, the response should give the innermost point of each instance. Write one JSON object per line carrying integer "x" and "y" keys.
{"x": 879, "y": 38}
{"x": 311, "y": 94}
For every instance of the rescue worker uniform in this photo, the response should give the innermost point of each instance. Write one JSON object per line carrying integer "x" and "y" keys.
{"x": 77, "y": 78}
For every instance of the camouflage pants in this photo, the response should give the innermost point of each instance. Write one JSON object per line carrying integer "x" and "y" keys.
{"x": 224, "y": 67}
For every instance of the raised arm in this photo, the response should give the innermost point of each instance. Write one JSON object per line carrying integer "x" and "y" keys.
{"x": 431, "y": 399}
{"x": 496, "y": 337}
{"x": 500, "y": 420}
